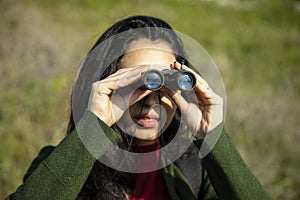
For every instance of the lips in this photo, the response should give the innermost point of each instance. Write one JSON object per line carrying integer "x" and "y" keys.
{"x": 147, "y": 120}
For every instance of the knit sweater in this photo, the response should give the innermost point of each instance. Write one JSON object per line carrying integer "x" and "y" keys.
{"x": 62, "y": 173}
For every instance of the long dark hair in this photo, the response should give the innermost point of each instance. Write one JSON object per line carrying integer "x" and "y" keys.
{"x": 105, "y": 182}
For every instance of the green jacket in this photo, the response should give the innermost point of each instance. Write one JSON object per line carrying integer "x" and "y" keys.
{"x": 60, "y": 173}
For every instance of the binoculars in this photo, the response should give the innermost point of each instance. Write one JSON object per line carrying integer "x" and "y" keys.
{"x": 170, "y": 78}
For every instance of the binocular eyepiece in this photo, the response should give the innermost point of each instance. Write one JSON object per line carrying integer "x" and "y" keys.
{"x": 170, "y": 78}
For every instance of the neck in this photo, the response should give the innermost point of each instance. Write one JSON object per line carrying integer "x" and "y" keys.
{"x": 139, "y": 142}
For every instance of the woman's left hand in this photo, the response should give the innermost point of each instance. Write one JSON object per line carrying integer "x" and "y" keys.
{"x": 201, "y": 108}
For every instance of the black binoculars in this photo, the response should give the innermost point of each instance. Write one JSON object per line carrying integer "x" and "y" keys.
{"x": 170, "y": 78}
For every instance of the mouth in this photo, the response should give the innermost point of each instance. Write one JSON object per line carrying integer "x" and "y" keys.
{"x": 147, "y": 120}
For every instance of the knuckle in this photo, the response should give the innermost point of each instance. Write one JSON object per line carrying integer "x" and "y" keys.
{"x": 95, "y": 85}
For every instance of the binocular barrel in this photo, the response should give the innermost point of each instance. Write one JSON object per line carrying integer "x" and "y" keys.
{"x": 173, "y": 79}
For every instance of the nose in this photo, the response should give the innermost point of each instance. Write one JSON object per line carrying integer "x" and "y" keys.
{"x": 152, "y": 99}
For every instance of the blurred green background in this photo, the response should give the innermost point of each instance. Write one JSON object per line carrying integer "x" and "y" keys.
{"x": 255, "y": 44}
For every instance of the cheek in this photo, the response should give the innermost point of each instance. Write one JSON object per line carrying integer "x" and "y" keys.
{"x": 133, "y": 110}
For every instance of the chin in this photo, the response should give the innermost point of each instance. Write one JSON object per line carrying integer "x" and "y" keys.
{"x": 146, "y": 134}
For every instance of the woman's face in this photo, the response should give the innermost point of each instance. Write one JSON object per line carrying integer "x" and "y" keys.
{"x": 148, "y": 118}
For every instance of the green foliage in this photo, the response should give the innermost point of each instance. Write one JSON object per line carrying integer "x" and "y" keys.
{"x": 255, "y": 44}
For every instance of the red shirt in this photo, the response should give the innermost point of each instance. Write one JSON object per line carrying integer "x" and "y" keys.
{"x": 150, "y": 185}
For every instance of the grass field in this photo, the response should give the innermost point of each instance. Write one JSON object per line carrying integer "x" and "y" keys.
{"x": 255, "y": 44}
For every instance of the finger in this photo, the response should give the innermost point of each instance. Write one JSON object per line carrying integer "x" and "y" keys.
{"x": 125, "y": 101}
{"x": 198, "y": 77}
{"x": 125, "y": 77}
{"x": 177, "y": 65}
{"x": 120, "y": 79}
{"x": 203, "y": 93}
{"x": 124, "y": 71}
{"x": 202, "y": 84}
{"x": 191, "y": 96}
{"x": 177, "y": 98}
{"x": 136, "y": 96}
{"x": 201, "y": 88}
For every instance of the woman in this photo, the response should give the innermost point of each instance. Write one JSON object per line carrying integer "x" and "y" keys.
{"x": 113, "y": 112}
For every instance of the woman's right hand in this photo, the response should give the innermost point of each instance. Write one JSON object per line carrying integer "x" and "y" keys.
{"x": 105, "y": 101}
